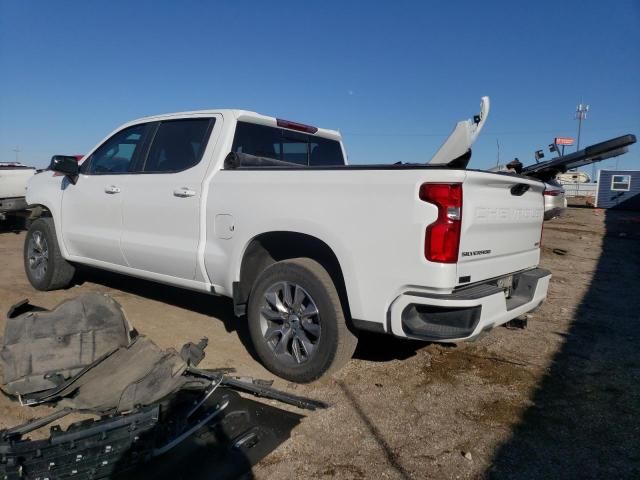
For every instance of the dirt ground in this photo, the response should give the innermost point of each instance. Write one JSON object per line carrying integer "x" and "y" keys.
{"x": 560, "y": 398}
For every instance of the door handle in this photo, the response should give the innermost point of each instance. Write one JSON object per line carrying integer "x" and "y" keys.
{"x": 112, "y": 189}
{"x": 184, "y": 192}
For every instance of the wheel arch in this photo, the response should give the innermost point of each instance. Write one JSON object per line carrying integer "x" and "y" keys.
{"x": 271, "y": 247}
{"x": 39, "y": 210}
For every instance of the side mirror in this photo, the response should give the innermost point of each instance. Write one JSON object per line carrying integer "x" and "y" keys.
{"x": 66, "y": 165}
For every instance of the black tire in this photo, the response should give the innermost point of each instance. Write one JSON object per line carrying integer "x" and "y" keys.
{"x": 335, "y": 342}
{"x": 43, "y": 263}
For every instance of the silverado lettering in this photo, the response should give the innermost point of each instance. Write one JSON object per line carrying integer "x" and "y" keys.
{"x": 508, "y": 214}
{"x": 477, "y": 252}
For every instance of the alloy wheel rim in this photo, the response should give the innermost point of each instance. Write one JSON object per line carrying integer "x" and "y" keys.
{"x": 38, "y": 255}
{"x": 290, "y": 322}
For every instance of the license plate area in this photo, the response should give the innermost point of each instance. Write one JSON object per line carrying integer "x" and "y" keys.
{"x": 506, "y": 284}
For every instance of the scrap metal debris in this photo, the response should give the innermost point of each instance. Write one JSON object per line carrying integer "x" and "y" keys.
{"x": 155, "y": 408}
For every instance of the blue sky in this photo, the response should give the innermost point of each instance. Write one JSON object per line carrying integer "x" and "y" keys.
{"x": 393, "y": 77}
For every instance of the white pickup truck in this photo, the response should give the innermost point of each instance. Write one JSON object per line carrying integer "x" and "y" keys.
{"x": 311, "y": 249}
{"x": 13, "y": 185}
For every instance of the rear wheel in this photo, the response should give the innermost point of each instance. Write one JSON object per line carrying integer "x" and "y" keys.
{"x": 296, "y": 321}
{"x": 43, "y": 263}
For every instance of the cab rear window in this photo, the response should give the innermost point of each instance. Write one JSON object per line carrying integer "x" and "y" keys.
{"x": 286, "y": 145}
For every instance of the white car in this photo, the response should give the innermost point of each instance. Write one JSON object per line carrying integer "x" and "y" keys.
{"x": 555, "y": 200}
{"x": 311, "y": 249}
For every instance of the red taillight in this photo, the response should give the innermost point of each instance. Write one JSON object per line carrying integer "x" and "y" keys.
{"x": 301, "y": 127}
{"x": 442, "y": 238}
{"x": 551, "y": 193}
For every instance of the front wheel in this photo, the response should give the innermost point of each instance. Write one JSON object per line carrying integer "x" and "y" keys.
{"x": 296, "y": 321}
{"x": 43, "y": 263}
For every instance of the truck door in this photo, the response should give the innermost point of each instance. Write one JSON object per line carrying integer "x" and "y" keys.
{"x": 91, "y": 212}
{"x": 161, "y": 203}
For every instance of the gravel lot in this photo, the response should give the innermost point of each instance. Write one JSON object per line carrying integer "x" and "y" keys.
{"x": 560, "y": 398}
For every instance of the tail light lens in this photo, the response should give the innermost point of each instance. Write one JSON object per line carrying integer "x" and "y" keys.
{"x": 442, "y": 238}
{"x": 551, "y": 193}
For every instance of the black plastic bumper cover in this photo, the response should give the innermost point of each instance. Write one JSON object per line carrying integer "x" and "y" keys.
{"x": 440, "y": 323}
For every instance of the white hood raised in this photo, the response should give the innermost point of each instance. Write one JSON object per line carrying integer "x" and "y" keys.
{"x": 462, "y": 137}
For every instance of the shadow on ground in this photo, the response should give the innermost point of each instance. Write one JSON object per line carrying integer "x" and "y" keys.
{"x": 371, "y": 346}
{"x": 13, "y": 225}
{"x": 202, "y": 303}
{"x": 376, "y": 347}
{"x": 585, "y": 421}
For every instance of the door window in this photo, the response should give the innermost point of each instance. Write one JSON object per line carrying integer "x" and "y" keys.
{"x": 119, "y": 153}
{"x": 178, "y": 145}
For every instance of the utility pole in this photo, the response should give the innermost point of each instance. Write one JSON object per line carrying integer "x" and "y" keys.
{"x": 581, "y": 114}
{"x": 498, "y": 153}
{"x": 17, "y": 151}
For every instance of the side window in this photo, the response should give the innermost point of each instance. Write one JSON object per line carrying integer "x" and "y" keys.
{"x": 178, "y": 145}
{"x": 282, "y": 144}
{"x": 620, "y": 183}
{"x": 119, "y": 153}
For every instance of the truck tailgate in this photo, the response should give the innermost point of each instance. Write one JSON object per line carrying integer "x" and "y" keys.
{"x": 501, "y": 225}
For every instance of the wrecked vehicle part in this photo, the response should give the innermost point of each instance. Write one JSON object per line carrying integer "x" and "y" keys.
{"x": 42, "y": 349}
{"x": 455, "y": 152}
{"x": 245, "y": 433}
{"x": 260, "y": 389}
{"x": 32, "y": 425}
{"x": 86, "y": 449}
{"x": 207, "y": 393}
{"x": 137, "y": 374}
{"x": 224, "y": 439}
{"x": 193, "y": 353}
{"x": 151, "y": 402}
{"x": 160, "y": 417}
{"x": 83, "y": 355}
{"x": 140, "y": 374}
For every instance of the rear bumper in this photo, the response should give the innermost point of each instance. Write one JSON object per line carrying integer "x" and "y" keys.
{"x": 554, "y": 206}
{"x": 466, "y": 313}
{"x": 12, "y": 204}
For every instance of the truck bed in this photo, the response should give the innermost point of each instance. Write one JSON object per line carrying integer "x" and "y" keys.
{"x": 371, "y": 216}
